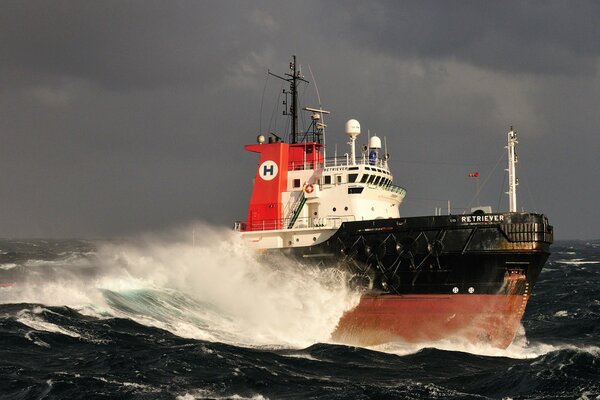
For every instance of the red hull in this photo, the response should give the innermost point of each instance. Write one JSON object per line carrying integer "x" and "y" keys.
{"x": 492, "y": 319}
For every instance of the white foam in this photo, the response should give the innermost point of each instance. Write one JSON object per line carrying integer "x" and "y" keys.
{"x": 577, "y": 261}
{"x": 520, "y": 348}
{"x": 214, "y": 290}
{"x": 7, "y": 266}
{"x": 206, "y": 394}
{"x": 561, "y": 313}
{"x": 29, "y": 318}
{"x": 242, "y": 300}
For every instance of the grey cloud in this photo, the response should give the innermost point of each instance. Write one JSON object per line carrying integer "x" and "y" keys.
{"x": 126, "y": 45}
{"x": 548, "y": 37}
{"x": 121, "y": 116}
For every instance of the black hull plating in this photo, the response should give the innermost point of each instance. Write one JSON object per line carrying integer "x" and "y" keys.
{"x": 480, "y": 254}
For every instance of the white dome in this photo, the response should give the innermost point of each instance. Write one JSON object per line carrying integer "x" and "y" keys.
{"x": 352, "y": 128}
{"x": 375, "y": 142}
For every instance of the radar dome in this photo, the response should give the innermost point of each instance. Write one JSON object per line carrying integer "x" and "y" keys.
{"x": 374, "y": 142}
{"x": 352, "y": 128}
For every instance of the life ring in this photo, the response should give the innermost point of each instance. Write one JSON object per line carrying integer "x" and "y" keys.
{"x": 309, "y": 188}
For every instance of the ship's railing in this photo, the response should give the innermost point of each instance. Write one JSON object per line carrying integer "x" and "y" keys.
{"x": 340, "y": 161}
{"x": 304, "y": 222}
{"x": 345, "y": 160}
{"x": 397, "y": 189}
{"x": 389, "y": 187}
{"x": 300, "y": 166}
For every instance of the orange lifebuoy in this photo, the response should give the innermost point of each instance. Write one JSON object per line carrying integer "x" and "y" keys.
{"x": 309, "y": 188}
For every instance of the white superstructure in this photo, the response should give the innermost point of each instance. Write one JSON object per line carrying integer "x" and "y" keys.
{"x": 321, "y": 195}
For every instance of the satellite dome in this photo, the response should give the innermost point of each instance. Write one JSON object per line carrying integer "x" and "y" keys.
{"x": 374, "y": 142}
{"x": 352, "y": 128}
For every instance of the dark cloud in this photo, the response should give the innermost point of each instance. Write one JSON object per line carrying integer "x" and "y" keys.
{"x": 126, "y": 45}
{"x": 527, "y": 37}
{"x": 117, "y": 117}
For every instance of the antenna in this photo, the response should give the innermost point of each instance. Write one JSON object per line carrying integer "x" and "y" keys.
{"x": 512, "y": 173}
{"x": 386, "y": 155}
{"x": 294, "y": 90}
{"x": 293, "y": 79}
{"x": 320, "y": 108}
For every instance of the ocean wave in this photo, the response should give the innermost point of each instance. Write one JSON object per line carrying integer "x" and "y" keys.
{"x": 215, "y": 290}
{"x": 8, "y": 266}
{"x": 208, "y": 394}
{"x": 162, "y": 318}
{"x": 577, "y": 261}
{"x": 31, "y": 318}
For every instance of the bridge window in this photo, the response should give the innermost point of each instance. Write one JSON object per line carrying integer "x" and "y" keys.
{"x": 338, "y": 179}
{"x": 327, "y": 180}
{"x": 364, "y": 178}
{"x": 352, "y": 178}
{"x": 376, "y": 182}
{"x": 371, "y": 179}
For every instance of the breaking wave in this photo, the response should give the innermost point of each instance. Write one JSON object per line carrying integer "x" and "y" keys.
{"x": 214, "y": 289}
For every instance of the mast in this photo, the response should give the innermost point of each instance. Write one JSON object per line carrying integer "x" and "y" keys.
{"x": 292, "y": 111}
{"x": 512, "y": 173}
{"x": 294, "y": 90}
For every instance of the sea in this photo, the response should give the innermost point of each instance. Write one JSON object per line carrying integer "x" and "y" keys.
{"x": 173, "y": 315}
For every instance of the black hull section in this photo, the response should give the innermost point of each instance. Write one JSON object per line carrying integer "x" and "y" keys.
{"x": 466, "y": 254}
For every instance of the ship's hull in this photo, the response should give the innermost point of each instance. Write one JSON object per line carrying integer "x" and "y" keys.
{"x": 436, "y": 277}
{"x": 488, "y": 318}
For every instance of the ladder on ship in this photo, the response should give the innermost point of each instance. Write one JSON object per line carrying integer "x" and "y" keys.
{"x": 301, "y": 202}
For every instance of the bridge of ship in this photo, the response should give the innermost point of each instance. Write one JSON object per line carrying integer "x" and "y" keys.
{"x": 339, "y": 170}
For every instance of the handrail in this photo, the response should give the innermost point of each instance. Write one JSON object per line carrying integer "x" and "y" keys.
{"x": 304, "y": 222}
{"x": 297, "y": 211}
{"x": 340, "y": 161}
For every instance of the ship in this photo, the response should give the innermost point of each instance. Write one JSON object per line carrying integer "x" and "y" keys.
{"x": 422, "y": 278}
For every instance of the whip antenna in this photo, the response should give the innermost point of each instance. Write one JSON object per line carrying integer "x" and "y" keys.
{"x": 320, "y": 108}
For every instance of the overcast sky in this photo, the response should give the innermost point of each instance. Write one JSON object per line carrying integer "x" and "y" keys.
{"x": 118, "y": 117}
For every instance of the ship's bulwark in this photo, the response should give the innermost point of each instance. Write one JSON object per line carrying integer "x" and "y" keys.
{"x": 437, "y": 277}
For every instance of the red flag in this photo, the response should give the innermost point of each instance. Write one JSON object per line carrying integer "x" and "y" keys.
{"x": 473, "y": 174}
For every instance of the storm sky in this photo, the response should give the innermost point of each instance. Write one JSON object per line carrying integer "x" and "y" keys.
{"x": 118, "y": 117}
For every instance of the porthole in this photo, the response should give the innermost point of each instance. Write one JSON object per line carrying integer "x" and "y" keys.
{"x": 334, "y": 209}
{"x": 345, "y": 208}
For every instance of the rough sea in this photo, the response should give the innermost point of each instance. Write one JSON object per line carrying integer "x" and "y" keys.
{"x": 161, "y": 317}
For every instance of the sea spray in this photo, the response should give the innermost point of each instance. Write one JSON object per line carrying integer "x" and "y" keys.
{"x": 225, "y": 289}
{"x": 212, "y": 289}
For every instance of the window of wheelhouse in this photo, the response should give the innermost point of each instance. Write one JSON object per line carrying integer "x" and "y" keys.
{"x": 327, "y": 180}
{"x": 352, "y": 178}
